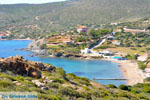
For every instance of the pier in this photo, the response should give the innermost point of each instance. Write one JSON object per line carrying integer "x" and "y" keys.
{"x": 109, "y": 79}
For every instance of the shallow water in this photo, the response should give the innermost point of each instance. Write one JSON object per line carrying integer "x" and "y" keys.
{"x": 84, "y": 68}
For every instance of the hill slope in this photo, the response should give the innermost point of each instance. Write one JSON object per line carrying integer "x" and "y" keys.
{"x": 44, "y": 18}
{"x": 52, "y": 83}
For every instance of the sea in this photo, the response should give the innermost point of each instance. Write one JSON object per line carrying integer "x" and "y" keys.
{"x": 84, "y": 68}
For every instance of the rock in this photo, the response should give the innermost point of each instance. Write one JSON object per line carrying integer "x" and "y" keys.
{"x": 38, "y": 83}
{"x": 20, "y": 66}
{"x": 48, "y": 81}
{"x": 17, "y": 83}
{"x": 36, "y": 74}
{"x": 50, "y": 69}
{"x": 19, "y": 57}
{"x": 35, "y": 46}
{"x": 43, "y": 77}
{"x": 44, "y": 88}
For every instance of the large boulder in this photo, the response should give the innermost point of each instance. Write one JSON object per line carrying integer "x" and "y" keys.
{"x": 20, "y": 66}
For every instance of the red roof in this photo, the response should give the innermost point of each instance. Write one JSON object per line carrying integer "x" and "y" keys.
{"x": 2, "y": 35}
{"x": 81, "y": 27}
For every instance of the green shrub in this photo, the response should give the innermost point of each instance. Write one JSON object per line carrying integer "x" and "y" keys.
{"x": 135, "y": 90}
{"x": 83, "y": 81}
{"x": 133, "y": 49}
{"x": 53, "y": 85}
{"x": 5, "y": 83}
{"x": 43, "y": 97}
{"x": 111, "y": 86}
{"x": 43, "y": 46}
{"x": 141, "y": 65}
{"x": 61, "y": 72}
{"x": 132, "y": 57}
{"x": 123, "y": 87}
{"x": 146, "y": 89}
{"x": 19, "y": 78}
{"x": 68, "y": 91}
{"x": 142, "y": 97}
{"x": 58, "y": 80}
{"x": 103, "y": 47}
{"x": 7, "y": 76}
{"x": 147, "y": 79}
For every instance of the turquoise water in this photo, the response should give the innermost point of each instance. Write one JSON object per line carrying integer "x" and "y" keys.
{"x": 116, "y": 57}
{"x": 84, "y": 68}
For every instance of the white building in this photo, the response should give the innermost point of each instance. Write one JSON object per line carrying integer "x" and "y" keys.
{"x": 82, "y": 29}
{"x": 116, "y": 42}
{"x": 85, "y": 51}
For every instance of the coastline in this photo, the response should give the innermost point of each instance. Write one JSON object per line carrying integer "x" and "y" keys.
{"x": 130, "y": 71}
{"x": 129, "y": 68}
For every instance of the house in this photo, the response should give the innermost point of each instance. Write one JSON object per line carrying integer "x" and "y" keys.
{"x": 2, "y": 36}
{"x": 116, "y": 42}
{"x": 113, "y": 23}
{"x": 134, "y": 31}
{"x": 148, "y": 65}
{"x": 118, "y": 30}
{"x": 142, "y": 57}
{"x": 110, "y": 37}
{"x": 147, "y": 72}
{"x": 85, "y": 51}
{"x": 82, "y": 29}
{"x": 106, "y": 53}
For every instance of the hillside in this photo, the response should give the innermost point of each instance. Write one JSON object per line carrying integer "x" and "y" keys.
{"x": 52, "y": 83}
{"x": 42, "y": 19}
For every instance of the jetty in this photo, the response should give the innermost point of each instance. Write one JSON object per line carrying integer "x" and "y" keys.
{"x": 109, "y": 79}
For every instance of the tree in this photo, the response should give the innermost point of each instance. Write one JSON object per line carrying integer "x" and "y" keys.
{"x": 43, "y": 46}
{"x": 141, "y": 65}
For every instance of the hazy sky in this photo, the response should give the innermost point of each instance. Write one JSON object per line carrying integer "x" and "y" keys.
{"x": 27, "y": 1}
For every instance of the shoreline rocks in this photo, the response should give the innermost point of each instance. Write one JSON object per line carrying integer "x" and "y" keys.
{"x": 20, "y": 66}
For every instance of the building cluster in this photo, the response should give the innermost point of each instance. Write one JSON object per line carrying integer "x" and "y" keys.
{"x": 147, "y": 70}
{"x": 135, "y": 31}
{"x": 2, "y": 35}
{"x": 82, "y": 29}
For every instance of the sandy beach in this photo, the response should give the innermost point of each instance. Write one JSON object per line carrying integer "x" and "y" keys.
{"x": 130, "y": 71}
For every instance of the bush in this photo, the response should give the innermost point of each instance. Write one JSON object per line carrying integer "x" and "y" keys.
{"x": 58, "y": 54}
{"x": 132, "y": 57}
{"x": 111, "y": 86}
{"x": 141, "y": 65}
{"x": 61, "y": 72}
{"x": 43, "y": 46}
{"x": 68, "y": 91}
{"x": 58, "y": 80}
{"x": 147, "y": 79}
{"x": 5, "y": 84}
{"x": 103, "y": 47}
{"x": 123, "y": 87}
{"x": 146, "y": 89}
{"x": 53, "y": 85}
{"x": 83, "y": 81}
{"x": 133, "y": 49}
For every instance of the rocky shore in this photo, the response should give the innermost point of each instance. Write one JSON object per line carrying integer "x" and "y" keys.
{"x": 20, "y": 66}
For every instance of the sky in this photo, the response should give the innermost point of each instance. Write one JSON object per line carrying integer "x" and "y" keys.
{"x": 27, "y": 1}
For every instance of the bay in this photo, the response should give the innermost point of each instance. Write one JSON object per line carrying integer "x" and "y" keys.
{"x": 84, "y": 68}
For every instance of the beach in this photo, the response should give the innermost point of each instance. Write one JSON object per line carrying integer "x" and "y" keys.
{"x": 130, "y": 71}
